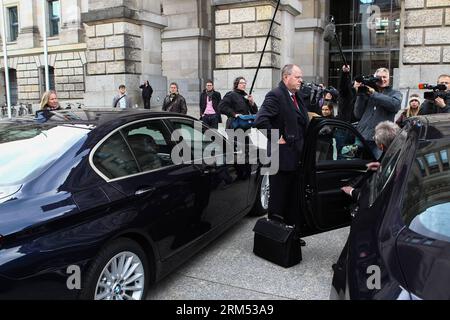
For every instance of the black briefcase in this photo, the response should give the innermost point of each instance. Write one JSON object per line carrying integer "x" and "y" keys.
{"x": 277, "y": 242}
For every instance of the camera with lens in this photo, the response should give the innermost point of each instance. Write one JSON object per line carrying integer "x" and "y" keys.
{"x": 370, "y": 81}
{"x": 314, "y": 91}
{"x": 438, "y": 91}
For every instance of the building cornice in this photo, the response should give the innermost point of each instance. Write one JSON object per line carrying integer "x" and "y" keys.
{"x": 122, "y": 13}
{"x": 51, "y": 49}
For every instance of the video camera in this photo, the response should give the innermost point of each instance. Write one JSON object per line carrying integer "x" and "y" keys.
{"x": 438, "y": 91}
{"x": 317, "y": 92}
{"x": 370, "y": 81}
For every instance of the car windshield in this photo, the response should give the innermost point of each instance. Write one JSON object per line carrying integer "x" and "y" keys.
{"x": 26, "y": 150}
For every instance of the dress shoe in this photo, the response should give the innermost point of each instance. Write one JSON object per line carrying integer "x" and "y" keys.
{"x": 302, "y": 243}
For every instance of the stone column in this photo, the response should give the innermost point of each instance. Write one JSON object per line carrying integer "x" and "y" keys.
{"x": 71, "y": 30}
{"x": 241, "y": 28}
{"x": 121, "y": 36}
{"x": 29, "y": 26}
{"x": 424, "y": 43}
{"x": 186, "y": 46}
{"x": 310, "y": 51}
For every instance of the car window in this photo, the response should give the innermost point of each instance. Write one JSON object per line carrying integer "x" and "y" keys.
{"x": 150, "y": 143}
{"x": 192, "y": 134}
{"x": 26, "y": 151}
{"x": 336, "y": 143}
{"x": 426, "y": 206}
{"x": 114, "y": 159}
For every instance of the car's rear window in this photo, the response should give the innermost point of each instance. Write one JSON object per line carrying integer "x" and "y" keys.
{"x": 26, "y": 150}
{"x": 426, "y": 206}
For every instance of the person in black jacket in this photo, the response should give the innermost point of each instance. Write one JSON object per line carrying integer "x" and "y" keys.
{"x": 147, "y": 92}
{"x": 174, "y": 101}
{"x": 237, "y": 102}
{"x": 439, "y": 105}
{"x": 283, "y": 109}
{"x": 347, "y": 97}
{"x": 209, "y": 106}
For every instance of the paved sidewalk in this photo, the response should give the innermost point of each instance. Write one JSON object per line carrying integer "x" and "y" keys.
{"x": 228, "y": 270}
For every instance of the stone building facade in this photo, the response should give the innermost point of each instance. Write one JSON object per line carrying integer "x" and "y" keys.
{"x": 102, "y": 44}
{"x": 425, "y": 45}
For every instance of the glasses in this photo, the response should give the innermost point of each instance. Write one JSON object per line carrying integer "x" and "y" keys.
{"x": 242, "y": 82}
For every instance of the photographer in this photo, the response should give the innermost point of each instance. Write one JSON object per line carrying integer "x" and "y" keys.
{"x": 441, "y": 103}
{"x": 376, "y": 101}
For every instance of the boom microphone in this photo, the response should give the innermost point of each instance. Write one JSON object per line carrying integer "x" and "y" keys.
{"x": 329, "y": 32}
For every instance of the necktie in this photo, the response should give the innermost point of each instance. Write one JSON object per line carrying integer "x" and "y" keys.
{"x": 295, "y": 101}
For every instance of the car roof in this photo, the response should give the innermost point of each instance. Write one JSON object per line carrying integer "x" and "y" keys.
{"x": 98, "y": 117}
{"x": 437, "y": 126}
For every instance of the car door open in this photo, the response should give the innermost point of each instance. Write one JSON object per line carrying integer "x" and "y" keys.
{"x": 335, "y": 155}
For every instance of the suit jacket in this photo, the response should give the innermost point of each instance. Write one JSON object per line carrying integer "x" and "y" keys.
{"x": 279, "y": 112}
{"x": 216, "y": 98}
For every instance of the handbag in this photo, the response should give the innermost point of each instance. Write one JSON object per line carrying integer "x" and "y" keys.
{"x": 277, "y": 242}
{"x": 243, "y": 122}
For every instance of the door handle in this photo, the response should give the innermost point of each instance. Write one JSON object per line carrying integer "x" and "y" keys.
{"x": 145, "y": 191}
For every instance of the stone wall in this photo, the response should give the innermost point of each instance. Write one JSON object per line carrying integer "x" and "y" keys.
{"x": 118, "y": 42}
{"x": 310, "y": 51}
{"x": 241, "y": 29}
{"x": 186, "y": 45}
{"x": 68, "y": 75}
{"x": 425, "y": 42}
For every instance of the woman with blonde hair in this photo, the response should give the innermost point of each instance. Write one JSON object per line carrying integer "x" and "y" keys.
{"x": 412, "y": 110}
{"x": 49, "y": 101}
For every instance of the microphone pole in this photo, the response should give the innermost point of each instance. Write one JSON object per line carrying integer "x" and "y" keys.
{"x": 330, "y": 34}
{"x": 264, "y": 49}
{"x": 340, "y": 49}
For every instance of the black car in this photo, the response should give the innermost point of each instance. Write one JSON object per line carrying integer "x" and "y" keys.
{"x": 399, "y": 241}
{"x": 92, "y": 205}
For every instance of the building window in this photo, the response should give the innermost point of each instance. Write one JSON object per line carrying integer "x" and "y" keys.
{"x": 369, "y": 34}
{"x": 12, "y": 86}
{"x": 13, "y": 21}
{"x": 53, "y": 17}
{"x": 51, "y": 76}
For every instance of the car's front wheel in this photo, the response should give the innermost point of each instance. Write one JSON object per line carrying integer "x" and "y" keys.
{"x": 119, "y": 272}
{"x": 261, "y": 206}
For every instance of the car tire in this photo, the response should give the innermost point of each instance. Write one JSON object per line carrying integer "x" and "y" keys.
{"x": 119, "y": 266}
{"x": 261, "y": 205}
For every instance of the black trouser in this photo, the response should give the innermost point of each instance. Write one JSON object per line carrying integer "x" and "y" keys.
{"x": 211, "y": 120}
{"x": 146, "y": 103}
{"x": 284, "y": 196}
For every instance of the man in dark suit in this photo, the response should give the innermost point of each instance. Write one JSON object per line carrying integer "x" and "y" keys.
{"x": 282, "y": 109}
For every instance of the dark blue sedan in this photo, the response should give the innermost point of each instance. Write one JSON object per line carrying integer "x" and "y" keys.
{"x": 92, "y": 205}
